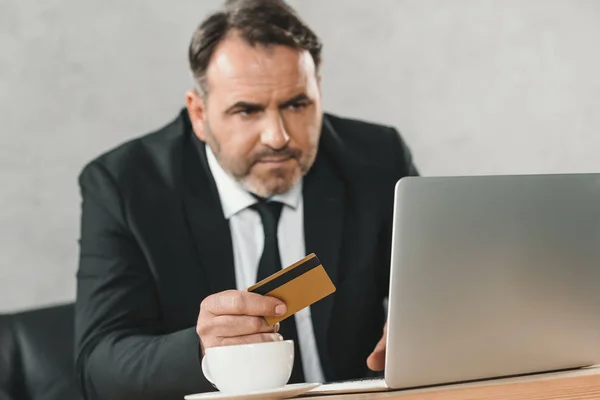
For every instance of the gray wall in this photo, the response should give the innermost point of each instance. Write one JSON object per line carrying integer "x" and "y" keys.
{"x": 476, "y": 87}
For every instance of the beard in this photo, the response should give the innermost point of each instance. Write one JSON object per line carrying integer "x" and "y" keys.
{"x": 264, "y": 182}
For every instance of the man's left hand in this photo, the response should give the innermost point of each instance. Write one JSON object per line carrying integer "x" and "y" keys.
{"x": 376, "y": 361}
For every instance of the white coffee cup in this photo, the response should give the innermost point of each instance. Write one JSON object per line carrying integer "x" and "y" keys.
{"x": 249, "y": 367}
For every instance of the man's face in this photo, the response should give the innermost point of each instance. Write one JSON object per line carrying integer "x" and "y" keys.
{"x": 262, "y": 115}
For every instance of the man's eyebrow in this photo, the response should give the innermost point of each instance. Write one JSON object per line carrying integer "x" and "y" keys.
{"x": 245, "y": 105}
{"x": 295, "y": 99}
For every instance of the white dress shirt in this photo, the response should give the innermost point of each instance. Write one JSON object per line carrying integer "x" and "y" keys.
{"x": 247, "y": 236}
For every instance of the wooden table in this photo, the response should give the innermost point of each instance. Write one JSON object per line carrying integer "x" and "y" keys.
{"x": 569, "y": 385}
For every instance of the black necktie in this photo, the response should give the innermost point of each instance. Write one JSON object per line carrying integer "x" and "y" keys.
{"x": 270, "y": 263}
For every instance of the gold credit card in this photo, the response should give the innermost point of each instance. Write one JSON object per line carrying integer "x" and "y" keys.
{"x": 298, "y": 286}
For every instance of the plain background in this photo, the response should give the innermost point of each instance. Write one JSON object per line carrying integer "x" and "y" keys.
{"x": 475, "y": 87}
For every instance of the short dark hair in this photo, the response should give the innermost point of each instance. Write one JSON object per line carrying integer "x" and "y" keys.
{"x": 259, "y": 22}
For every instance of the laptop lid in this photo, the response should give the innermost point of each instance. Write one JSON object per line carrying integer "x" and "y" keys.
{"x": 493, "y": 276}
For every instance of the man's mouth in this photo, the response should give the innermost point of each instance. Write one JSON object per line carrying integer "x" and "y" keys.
{"x": 274, "y": 160}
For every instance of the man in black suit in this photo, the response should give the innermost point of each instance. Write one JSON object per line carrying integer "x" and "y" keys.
{"x": 249, "y": 178}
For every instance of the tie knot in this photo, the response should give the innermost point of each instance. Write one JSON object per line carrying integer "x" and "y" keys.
{"x": 269, "y": 211}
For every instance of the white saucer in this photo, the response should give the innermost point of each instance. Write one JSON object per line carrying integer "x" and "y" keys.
{"x": 272, "y": 394}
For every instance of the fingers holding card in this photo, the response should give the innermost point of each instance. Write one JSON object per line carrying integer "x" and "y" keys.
{"x": 298, "y": 286}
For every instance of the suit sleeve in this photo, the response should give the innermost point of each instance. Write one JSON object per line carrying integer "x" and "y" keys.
{"x": 9, "y": 359}
{"x": 404, "y": 166}
{"x": 122, "y": 348}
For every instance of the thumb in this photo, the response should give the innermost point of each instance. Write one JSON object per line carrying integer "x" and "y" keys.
{"x": 376, "y": 361}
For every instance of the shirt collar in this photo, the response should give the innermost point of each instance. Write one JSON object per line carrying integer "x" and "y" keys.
{"x": 234, "y": 198}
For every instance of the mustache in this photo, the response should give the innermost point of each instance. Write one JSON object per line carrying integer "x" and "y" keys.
{"x": 286, "y": 152}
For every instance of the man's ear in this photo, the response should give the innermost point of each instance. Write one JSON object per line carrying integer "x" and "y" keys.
{"x": 197, "y": 111}
{"x": 319, "y": 81}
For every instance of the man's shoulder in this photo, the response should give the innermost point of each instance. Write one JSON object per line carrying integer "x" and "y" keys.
{"x": 365, "y": 143}
{"x": 143, "y": 152}
{"x": 354, "y": 125}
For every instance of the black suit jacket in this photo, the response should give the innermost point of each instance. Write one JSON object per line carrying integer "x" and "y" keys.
{"x": 154, "y": 243}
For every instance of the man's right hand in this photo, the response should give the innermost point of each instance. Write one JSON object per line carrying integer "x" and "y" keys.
{"x": 237, "y": 317}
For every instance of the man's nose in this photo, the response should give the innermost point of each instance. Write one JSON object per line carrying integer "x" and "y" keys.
{"x": 275, "y": 135}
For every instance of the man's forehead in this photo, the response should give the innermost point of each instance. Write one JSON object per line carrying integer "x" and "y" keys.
{"x": 235, "y": 61}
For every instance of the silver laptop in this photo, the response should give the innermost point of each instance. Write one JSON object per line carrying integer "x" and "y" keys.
{"x": 493, "y": 276}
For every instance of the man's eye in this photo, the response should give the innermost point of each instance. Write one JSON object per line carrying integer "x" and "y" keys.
{"x": 298, "y": 106}
{"x": 247, "y": 111}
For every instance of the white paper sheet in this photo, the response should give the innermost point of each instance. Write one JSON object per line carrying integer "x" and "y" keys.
{"x": 358, "y": 386}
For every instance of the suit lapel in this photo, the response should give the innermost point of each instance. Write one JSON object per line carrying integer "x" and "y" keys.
{"x": 323, "y": 226}
{"x": 210, "y": 230}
